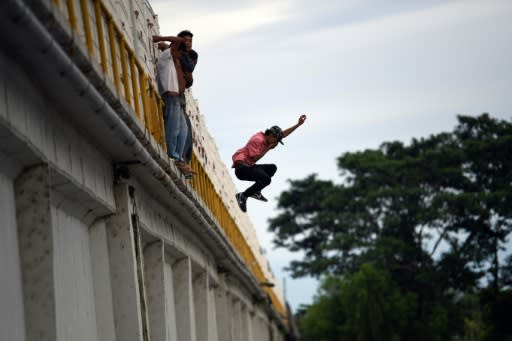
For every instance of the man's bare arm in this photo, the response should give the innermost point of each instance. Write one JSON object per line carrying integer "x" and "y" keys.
{"x": 290, "y": 130}
{"x": 172, "y": 39}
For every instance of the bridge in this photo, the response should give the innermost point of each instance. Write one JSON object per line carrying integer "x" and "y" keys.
{"x": 101, "y": 236}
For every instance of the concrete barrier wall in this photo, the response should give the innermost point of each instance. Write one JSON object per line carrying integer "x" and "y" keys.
{"x": 88, "y": 252}
{"x": 71, "y": 254}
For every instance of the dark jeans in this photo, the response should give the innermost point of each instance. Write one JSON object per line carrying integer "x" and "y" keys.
{"x": 262, "y": 174}
{"x": 187, "y": 149}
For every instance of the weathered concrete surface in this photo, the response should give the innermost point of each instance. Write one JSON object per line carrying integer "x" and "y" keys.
{"x": 68, "y": 252}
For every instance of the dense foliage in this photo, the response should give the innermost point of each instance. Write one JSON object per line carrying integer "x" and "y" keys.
{"x": 411, "y": 243}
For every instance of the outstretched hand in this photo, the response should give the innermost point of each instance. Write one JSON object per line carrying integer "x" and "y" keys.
{"x": 302, "y": 119}
{"x": 157, "y": 39}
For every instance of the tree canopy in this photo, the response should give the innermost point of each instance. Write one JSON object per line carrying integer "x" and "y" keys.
{"x": 433, "y": 216}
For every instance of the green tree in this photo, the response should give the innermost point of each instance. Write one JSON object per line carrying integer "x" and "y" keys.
{"x": 321, "y": 321}
{"x": 497, "y": 309}
{"x": 365, "y": 305}
{"x": 374, "y": 306}
{"x": 434, "y": 214}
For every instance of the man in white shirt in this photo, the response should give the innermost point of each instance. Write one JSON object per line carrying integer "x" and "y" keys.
{"x": 169, "y": 88}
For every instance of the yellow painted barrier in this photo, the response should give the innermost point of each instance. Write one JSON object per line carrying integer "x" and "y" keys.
{"x": 71, "y": 15}
{"x": 113, "y": 53}
{"x": 124, "y": 67}
{"x": 86, "y": 19}
{"x": 160, "y": 118}
{"x": 134, "y": 70}
{"x": 144, "y": 89}
{"x": 139, "y": 89}
{"x": 101, "y": 37}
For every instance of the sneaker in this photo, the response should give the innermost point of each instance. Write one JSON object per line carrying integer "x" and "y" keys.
{"x": 185, "y": 169}
{"x": 258, "y": 196}
{"x": 190, "y": 170}
{"x": 242, "y": 201}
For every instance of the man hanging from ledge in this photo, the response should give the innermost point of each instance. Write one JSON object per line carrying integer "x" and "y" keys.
{"x": 174, "y": 74}
{"x": 244, "y": 161}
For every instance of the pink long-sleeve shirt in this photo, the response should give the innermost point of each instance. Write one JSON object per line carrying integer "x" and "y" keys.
{"x": 252, "y": 151}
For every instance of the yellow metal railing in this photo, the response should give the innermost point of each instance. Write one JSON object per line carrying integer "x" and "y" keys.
{"x": 132, "y": 83}
{"x": 136, "y": 87}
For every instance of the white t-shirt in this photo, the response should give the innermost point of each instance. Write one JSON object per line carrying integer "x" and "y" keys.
{"x": 167, "y": 78}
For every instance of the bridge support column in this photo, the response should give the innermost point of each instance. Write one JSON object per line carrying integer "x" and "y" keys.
{"x": 12, "y": 320}
{"x": 160, "y": 293}
{"x": 263, "y": 329}
{"x": 274, "y": 332}
{"x": 223, "y": 314}
{"x": 212, "y": 317}
{"x": 35, "y": 236}
{"x": 102, "y": 281}
{"x": 247, "y": 323}
{"x": 123, "y": 267}
{"x": 201, "y": 306}
{"x": 184, "y": 299}
{"x": 237, "y": 319}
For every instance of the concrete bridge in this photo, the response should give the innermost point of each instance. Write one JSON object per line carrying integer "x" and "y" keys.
{"x": 101, "y": 238}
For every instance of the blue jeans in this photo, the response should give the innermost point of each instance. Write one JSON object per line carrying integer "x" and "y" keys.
{"x": 175, "y": 126}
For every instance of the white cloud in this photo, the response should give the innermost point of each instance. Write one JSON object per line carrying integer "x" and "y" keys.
{"x": 432, "y": 60}
{"x": 210, "y": 26}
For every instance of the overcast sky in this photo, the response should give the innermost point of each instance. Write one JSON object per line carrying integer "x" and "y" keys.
{"x": 363, "y": 71}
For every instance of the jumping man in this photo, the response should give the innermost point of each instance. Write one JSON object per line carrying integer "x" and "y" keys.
{"x": 244, "y": 161}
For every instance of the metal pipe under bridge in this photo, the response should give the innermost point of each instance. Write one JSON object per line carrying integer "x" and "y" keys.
{"x": 101, "y": 237}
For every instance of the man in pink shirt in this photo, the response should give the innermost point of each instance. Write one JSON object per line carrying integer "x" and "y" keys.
{"x": 244, "y": 161}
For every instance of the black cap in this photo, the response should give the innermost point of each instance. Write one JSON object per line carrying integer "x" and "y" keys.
{"x": 277, "y": 132}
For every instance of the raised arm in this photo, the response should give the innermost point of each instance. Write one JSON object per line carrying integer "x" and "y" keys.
{"x": 290, "y": 130}
{"x": 172, "y": 39}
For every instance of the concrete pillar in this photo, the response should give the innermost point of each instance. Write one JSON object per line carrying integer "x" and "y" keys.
{"x": 243, "y": 321}
{"x": 155, "y": 290}
{"x": 33, "y": 215}
{"x": 247, "y": 317}
{"x": 255, "y": 327}
{"x": 12, "y": 319}
{"x": 101, "y": 281}
{"x": 184, "y": 299}
{"x": 264, "y": 331}
{"x": 74, "y": 288}
{"x": 204, "y": 305}
{"x": 237, "y": 319}
{"x": 160, "y": 294}
{"x": 258, "y": 328}
{"x": 223, "y": 314}
{"x": 123, "y": 268}
{"x": 273, "y": 331}
{"x": 200, "y": 285}
{"x": 212, "y": 316}
{"x": 170, "y": 307}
